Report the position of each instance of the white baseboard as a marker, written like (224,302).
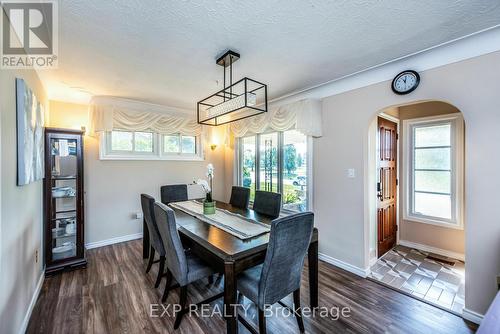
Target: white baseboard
(344,265)
(472,316)
(26,320)
(435,250)
(102,243)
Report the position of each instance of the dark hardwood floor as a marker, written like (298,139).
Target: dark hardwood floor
(113,295)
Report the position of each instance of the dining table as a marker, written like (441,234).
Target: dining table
(231,255)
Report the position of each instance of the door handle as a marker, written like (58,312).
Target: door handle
(379,191)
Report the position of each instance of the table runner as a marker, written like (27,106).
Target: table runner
(235,224)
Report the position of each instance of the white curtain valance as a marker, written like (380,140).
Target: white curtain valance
(109,117)
(304,116)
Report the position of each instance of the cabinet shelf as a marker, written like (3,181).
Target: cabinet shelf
(65,211)
(64,236)
(63,218)
(65,196)
(61,178)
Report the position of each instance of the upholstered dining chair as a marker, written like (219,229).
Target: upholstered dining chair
(240,197)
(267,203)
(147,203)
(174,193)
(182,265)
(280,274)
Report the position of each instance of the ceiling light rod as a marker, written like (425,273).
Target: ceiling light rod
(227,60)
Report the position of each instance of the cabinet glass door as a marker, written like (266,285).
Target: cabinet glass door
(64,201)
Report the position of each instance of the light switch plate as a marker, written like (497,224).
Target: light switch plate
(351,173)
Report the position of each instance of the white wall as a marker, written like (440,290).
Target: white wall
(371,177)
(21,213)
(342,211)
(113,188)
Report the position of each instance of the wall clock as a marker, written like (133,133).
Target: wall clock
(405,82)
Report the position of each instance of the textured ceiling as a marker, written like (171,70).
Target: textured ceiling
(164,51)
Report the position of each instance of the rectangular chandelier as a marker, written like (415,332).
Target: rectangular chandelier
(245,98)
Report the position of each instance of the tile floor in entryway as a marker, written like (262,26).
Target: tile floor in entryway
(417,273)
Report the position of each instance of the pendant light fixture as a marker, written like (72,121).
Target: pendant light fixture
(242,99)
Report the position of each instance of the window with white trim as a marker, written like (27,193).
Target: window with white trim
(279,162)
(138,145)
(126,142)
(179,144)
(434,170)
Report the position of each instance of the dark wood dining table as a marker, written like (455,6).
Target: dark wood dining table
(231,255)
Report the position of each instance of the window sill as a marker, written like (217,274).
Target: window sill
(430,221)
(152,158)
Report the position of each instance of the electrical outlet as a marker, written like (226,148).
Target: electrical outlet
(36,256)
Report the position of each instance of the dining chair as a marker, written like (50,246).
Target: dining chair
(182,265)
(174,193)
(280,274)
(147,203)
(182,192)
(267,203)
(240,197)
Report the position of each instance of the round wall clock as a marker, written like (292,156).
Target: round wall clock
(405,82)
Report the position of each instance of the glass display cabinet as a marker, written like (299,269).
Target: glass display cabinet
(63,200)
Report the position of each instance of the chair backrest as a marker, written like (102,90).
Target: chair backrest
(147,203)
(175,256)
(267,203)
(240,197)
(288,243)
(174,193)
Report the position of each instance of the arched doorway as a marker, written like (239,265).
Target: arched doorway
(416,202)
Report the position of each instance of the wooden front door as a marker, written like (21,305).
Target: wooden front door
(386,185)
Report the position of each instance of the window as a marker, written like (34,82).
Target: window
(137,142)
(434,170)
(129,145)
(143,142)
(188,144)
(279,162)
(171,144)
(179,145)
(295,171)
(122,141)
(247,163)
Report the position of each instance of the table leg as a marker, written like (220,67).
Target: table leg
(230,298)
(312,255)
(145,240)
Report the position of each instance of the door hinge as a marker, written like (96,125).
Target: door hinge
(397,136)
(397,182)
(397,228)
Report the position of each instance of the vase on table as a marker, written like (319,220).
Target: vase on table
(208,207)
